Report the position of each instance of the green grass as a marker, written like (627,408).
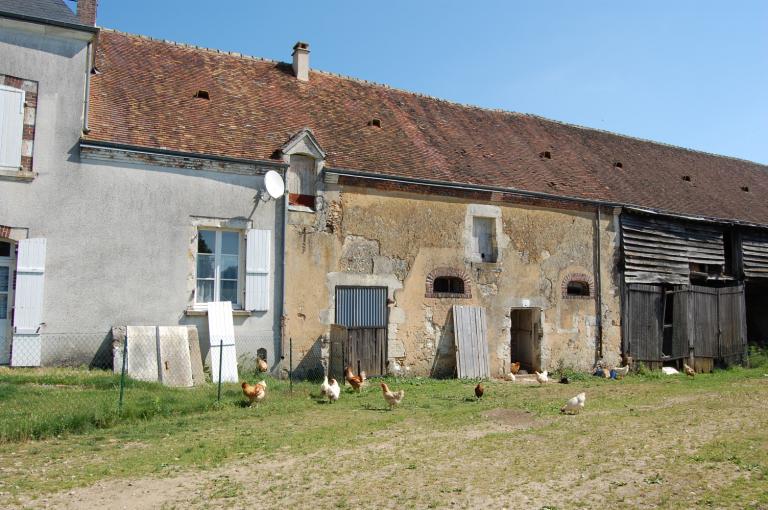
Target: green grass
(644,439)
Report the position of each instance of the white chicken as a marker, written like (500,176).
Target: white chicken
(669,371)
(510,377)
(542,377)
(333,392)
(325,386)
(575,404)
(621,371)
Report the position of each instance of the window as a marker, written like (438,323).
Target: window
(448,285)
(301,181)
(484,238)
(11,127)
(218,266)
(577,288)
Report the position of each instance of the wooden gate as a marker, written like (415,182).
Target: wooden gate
(350,346)
(705,322)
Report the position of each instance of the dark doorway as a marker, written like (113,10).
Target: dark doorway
(525,338)
(756,297)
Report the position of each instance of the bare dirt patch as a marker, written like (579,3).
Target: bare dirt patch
(513,418)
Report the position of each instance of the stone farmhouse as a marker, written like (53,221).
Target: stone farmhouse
(416,234)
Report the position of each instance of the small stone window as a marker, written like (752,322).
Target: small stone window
(446,282)
(578,285)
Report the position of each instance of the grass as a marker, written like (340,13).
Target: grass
(644,441)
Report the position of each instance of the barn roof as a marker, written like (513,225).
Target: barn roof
(144,95)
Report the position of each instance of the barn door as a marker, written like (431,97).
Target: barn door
(363,311)
(732,319)
(644,321)
(471,342)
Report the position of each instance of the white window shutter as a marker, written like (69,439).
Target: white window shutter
(257,257)
(28,304)
(11,126)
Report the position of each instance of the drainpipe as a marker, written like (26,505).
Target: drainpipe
(599,291)
(86,98)
(284,247)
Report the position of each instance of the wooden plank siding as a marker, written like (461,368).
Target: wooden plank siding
(657,251)
(471,342)
(754,252)
(643,319)
(353,345)
(733,319)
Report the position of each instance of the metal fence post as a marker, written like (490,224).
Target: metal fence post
(221,356)
(122,376)
(290,365)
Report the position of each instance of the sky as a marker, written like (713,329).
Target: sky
(692,73)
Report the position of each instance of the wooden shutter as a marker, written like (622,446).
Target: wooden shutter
(11,126)
(257,257)
(28,304)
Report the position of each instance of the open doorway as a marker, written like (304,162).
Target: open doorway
(756,299)
(525,338)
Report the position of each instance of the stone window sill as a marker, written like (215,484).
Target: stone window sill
(300,208)
(12,174)
(191,312)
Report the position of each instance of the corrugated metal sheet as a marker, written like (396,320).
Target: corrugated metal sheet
(363,307)
(754,249)
(657,251)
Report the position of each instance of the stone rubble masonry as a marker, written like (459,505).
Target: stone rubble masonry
(30,114)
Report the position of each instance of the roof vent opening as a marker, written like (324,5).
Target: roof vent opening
(375,122)
(686,178)
(202,94)
(545,155)
(745,188)
(618,164)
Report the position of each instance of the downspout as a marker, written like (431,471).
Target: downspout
(86,99)
(283,305)
(599,291)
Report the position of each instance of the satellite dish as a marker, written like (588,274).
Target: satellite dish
(274,183)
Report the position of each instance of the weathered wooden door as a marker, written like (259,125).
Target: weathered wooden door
(644,321)
(471,342)
(733,319)
(363,312)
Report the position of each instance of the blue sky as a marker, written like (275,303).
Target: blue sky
(683,72)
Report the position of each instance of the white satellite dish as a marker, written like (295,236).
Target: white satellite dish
(274,183)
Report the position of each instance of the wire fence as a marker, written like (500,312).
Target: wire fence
(149,365)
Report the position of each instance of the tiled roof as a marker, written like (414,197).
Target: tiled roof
(144,94)
(55,11)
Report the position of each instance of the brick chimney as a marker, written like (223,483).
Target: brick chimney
(301,61)
(86,11)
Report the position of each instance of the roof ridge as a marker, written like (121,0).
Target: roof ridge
(435,98)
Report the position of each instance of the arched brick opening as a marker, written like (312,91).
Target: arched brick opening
(451,283)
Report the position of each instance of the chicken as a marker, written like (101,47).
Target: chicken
(255,392)
(606,373)
(357,382)
(669,371)
(621,372)
(334,390)
(542,377)
(689,371)
(575,404)
(510,377)
(262,365)
(479,390)
(392,398)
(515,367)
(325,387)
(626,361)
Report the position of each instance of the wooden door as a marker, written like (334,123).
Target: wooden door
(643,321)
(471,342)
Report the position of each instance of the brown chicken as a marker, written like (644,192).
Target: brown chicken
(263,367)
(689,371)
(479,390)
(392,398)
(514,368)
(356,381)
(255,392)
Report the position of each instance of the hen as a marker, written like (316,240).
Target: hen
(334,390)
(575,404)
(255,392)
(479,390)
(542,377)
(510,377)
(356,381)
(514,368)
(621,372)
(689,371)
(392,398)
(325,386)
(262,365)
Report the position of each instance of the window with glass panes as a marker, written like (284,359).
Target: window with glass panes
(218,266)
